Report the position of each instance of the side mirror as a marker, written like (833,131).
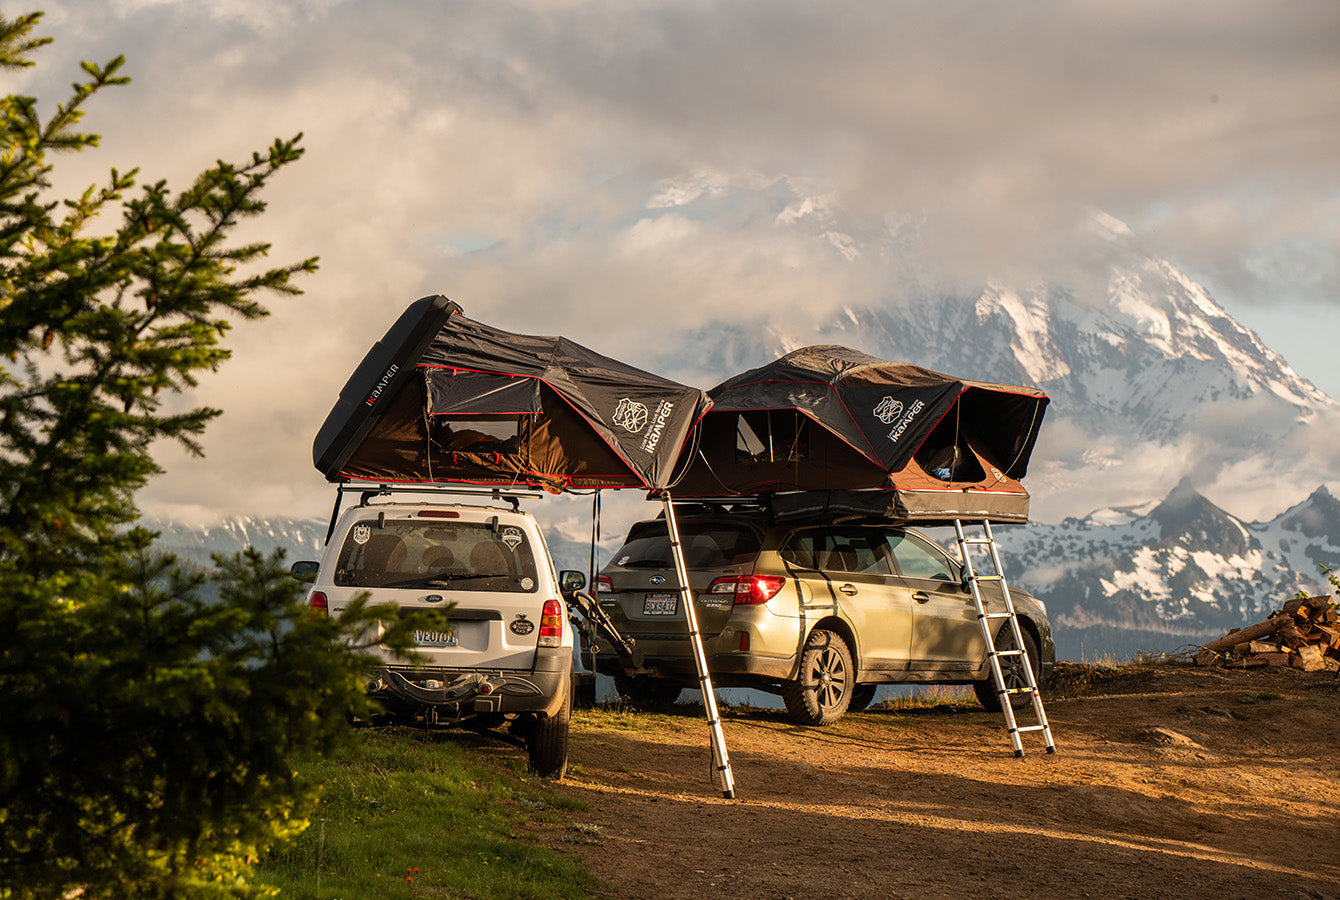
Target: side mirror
(570,581)
(304,570)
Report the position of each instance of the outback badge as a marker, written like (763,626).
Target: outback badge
(521,625)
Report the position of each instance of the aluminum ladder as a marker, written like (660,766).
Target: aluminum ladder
(1019,649)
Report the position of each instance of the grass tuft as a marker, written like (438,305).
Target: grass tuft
(405,814)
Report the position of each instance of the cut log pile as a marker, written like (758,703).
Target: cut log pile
(1305,634)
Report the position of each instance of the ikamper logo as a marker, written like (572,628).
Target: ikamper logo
(888,410)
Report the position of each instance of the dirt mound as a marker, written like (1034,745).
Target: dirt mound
(1168,781)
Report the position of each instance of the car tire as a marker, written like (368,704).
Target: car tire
(547,741)
(861,697)
(1012,668)
(827,680)
(641,690)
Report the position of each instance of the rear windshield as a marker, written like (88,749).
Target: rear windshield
(707,545)
(417,553)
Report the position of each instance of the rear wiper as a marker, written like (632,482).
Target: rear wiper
(442,579)
(448,577)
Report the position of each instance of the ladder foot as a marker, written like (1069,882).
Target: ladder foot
(1051,749)
(1018,754)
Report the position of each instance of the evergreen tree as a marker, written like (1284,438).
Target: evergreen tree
(145,734)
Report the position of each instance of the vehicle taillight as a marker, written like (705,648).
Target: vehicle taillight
(319,603)
(604,585)
(551,624)
(749,590)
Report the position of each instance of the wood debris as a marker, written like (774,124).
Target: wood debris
(1304,634)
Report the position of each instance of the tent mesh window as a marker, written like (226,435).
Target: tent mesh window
(785,437)
(476,434)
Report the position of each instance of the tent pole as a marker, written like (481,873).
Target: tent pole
(720,760)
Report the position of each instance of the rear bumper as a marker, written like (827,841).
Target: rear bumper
(727,669)
(443,696)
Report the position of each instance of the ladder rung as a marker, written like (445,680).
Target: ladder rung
(1031,690)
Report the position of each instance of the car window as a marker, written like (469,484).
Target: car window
(707,545)
(467,556)
(916,559)
(858,550)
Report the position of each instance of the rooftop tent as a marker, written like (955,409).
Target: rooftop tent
(442,398)
(830,428)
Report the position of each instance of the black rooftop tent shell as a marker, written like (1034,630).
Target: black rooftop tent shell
(442,398)
(831,429)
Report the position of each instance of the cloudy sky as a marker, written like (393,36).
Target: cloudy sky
(499,152)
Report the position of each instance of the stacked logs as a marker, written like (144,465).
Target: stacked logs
(1305,634)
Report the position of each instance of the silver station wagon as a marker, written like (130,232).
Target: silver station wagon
(820,612)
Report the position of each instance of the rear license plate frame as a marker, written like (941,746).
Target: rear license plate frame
(660,604)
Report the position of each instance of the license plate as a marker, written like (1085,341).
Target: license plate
(436,638)
(660,605)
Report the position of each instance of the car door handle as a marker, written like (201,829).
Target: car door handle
(921,597)
(848,589)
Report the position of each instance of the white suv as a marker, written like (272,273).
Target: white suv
(506,654)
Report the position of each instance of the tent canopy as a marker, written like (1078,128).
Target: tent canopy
(442,398)
(853,432)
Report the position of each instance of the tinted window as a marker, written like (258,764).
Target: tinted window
(917,560)
(468,556)
(707,545)
(860,550)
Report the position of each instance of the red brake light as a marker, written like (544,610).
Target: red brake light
(551,624)
(319,603)
(604,584)
(749,590)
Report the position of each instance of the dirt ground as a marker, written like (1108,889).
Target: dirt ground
(1168,781)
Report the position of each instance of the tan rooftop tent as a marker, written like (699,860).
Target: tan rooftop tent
(830,428)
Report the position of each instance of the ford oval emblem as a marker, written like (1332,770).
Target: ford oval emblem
(433,598)
(657,579)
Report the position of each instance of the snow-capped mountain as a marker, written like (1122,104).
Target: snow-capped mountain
(299,538)
(1151,380)
(1170,573)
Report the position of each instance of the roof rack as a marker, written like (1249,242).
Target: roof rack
(368,490)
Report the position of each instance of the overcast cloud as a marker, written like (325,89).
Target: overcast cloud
(500,153)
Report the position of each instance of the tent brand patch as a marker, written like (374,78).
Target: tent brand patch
(663,411)
(630,416)
(888,410)
(521,625)
(381,385)
(906,420)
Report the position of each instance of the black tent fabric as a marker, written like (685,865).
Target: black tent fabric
(828,428)
(442,398)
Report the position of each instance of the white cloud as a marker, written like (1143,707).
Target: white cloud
(573,139)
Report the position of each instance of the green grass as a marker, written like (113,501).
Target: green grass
(404,814)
